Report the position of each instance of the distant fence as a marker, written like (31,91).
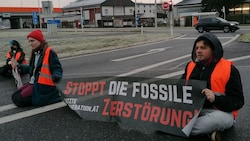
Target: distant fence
(241,18)
(4,23)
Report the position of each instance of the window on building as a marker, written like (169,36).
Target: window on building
(106,11)
(246,8)
(97,10)
(130,10)
(241,9)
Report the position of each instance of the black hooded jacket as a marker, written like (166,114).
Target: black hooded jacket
(233,98)
(14,51)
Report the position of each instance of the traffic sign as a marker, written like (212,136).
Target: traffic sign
(35,17)
(58,22)
(165,5)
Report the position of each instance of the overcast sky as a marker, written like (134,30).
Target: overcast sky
(56,3)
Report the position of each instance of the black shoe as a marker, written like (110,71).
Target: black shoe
(8,74)
(1,70)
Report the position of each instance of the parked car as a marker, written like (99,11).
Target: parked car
(216,23)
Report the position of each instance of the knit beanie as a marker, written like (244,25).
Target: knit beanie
(36,34)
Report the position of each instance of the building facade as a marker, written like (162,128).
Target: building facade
(111,13)
(27,17)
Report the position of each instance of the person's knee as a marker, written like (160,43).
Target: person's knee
(223,119)
(20,101)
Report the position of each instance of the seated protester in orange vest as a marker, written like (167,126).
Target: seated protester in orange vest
(18,54)
(224,94)
(45,71)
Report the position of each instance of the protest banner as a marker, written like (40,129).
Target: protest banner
(167,105)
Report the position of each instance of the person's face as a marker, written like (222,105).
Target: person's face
(34,43)
(203,52)
(13,47)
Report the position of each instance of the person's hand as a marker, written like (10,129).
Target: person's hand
(209,94)
(56,79)
(12,64)
(9,63)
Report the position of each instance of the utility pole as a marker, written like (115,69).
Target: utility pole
(136,18)
(170,9)
(39,14)
(59,3)
(224,12)
(155,15)
(81,19)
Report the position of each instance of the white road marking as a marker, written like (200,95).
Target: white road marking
(171,74)
(32,112)
(153,66)
(47,108)
(193,38)
(7,107)
(152,51)
(240,58)
(182,71)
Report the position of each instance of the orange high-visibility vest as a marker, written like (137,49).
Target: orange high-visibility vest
(219,77)
(18,55)
(45,76)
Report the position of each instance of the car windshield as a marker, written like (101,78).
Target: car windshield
(223,20)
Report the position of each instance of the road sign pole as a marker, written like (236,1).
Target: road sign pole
(170,9)
(136,21)
(171,23)
(81,19)
(40,22)
(155,16)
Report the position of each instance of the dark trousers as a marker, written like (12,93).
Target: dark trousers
(6,70)
(23,96)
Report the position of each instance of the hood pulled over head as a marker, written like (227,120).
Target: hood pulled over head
(215,45)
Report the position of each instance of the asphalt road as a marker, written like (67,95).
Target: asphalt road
(58,123)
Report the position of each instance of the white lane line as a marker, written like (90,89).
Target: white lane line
(182,71)
(234,38)
(32,112)
(193,38)
(62,104)
(7,107)
(181,37)
(240,58)
(168,61)
(171,74)
(153,66)
(152,51)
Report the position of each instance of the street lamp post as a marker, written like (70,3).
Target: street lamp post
(59,3)
(39,14)
(135,14)
(81,19)
(155,16)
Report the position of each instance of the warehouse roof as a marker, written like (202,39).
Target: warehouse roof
(83,3)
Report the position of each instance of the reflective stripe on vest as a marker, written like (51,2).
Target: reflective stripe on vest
(45,76)
(219,77)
